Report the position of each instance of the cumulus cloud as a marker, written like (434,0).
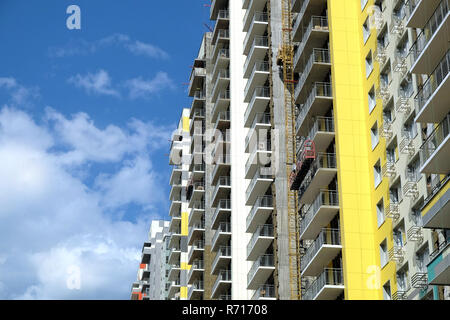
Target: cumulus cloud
(141,88)
(98,83)
(56,226)
(83,47)
(19,94)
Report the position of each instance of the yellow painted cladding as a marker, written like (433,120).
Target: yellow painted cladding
(183,293)
(355,179)
(186,124)
(184,223)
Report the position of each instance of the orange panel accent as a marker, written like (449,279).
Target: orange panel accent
(142,266)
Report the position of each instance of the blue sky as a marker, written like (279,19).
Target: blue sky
(85,118)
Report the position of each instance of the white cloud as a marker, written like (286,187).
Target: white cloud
(52,220)
(140,88)
(19,94)
(83,47)
(98,83)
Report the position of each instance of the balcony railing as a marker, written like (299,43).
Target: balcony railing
(324,198)
(265,230)
(261,202)
(392,210)
(320,89)
(317,23)
(265,260)
(317,56)
(326,237)
(257,17)
(198,285)
(259,41)
(429,30)
(224,251)
(259,66)
(224,227)
(260,119)
(260,92)
(434,140)
(329,277)
(265,291)
(223,204)
(397,254)
(224,275)
(433,82)
(252,183)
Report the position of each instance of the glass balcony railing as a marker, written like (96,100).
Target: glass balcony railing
(265,260)
(324,198)
(224,227)
(329,277)
(261,202)
(317,56)
(434,140)
(317,23)
(258,41)
(265,230)
(433,82)
(326,237)
(429,30)
(319,89)
(265,291)
(224,275)
(223,204)
(255,179)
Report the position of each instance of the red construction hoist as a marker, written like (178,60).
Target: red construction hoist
(307,156)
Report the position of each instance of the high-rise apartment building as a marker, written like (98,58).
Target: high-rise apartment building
(363,152)
(152,277)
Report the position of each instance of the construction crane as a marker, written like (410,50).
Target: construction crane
(286,60)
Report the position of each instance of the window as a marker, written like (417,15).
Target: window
(399,236)
(416,216)
(387,291)
(372,99)
(395,194)
(422,259)
(380,212)
(410,129)
(377,173)
(383,254)
(374,135)
(383,39)
(391,155)
(366,30)
(369,64)
(402,280)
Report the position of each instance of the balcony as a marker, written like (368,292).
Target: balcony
(259,128)
(175,208)
(198,75)
(175,192)
(196,251)
(258,78)
(321,171)
(400,64)
(222,123)
(176,151)
(315,69)
(383,92)
(222,235)
(199,100)
(315,35)
(397,26)
(428,48)
(327,286)
(197,119)
(222,104)
(222,259)
(222,283)
(222,62)
(258,27)
(175,176)
(265,292)
(410,188)
(196,271)
(380,54)
(198,171)
(319,214)
(260,271)
(258,52)
(174,289)
(415,234)
(253,8)
(385,130)
(174,272)
(197,212)
(299,6)
(258,104)
(196,232)
(392,210)
(407,144)
(260,241)
(319,254)
(435,150)
(216,7)
(257,187)
(175,223)
(259,213)
(322,132)
(174,256)
(222,165)
(175,237)
(436,207)
(389,170)
(198,193)
(403,104)
(221,213)
(419,11)
(221,191)
(259,157)
(318,103)
(221,142)
(432,100)
(196,291)
(221,84)
(439,266)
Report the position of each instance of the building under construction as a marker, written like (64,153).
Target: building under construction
(311,164)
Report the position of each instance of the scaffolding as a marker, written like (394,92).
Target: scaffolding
(286,59)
